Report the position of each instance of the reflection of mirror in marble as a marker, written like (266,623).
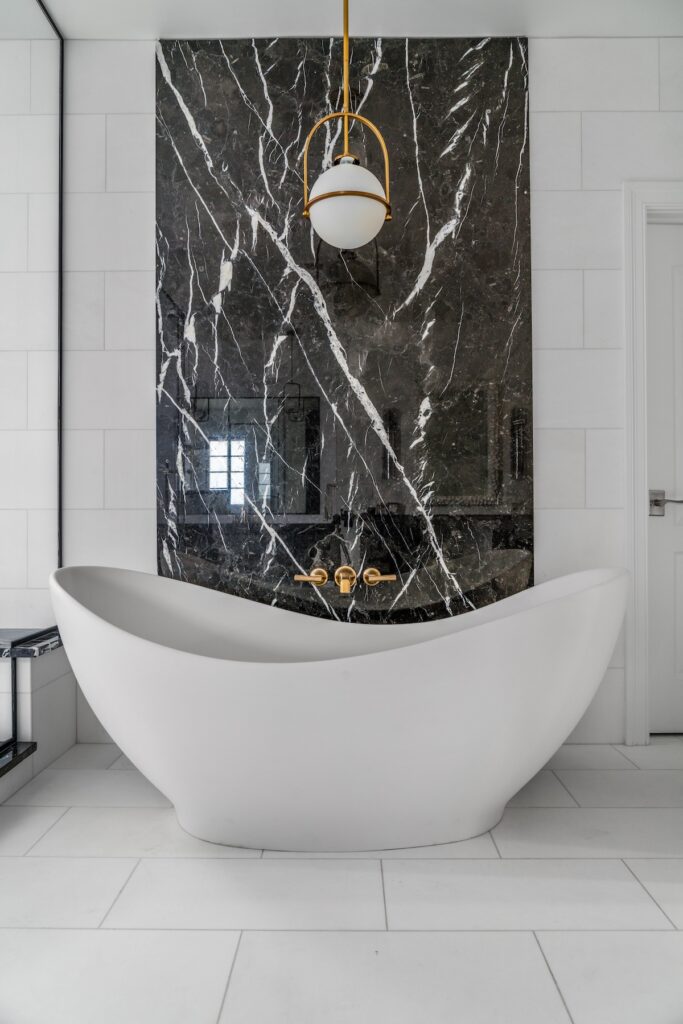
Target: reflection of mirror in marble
(29,309)
(370,407)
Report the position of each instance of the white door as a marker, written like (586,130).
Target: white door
(664,303)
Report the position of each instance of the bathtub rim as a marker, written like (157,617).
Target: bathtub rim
(488,615)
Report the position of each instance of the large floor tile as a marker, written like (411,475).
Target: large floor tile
(531,894)
(88,755)
(89,788)
(52,893)
(83,977)
(479,846)
(126,832)
(588,755)
(662,752)
(627,978)
(361,978)
(663,879)
(21,827)
(661,788)
(590,832)
(544,790)
(251,894)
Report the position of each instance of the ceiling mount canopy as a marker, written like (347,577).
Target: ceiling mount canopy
(347,204)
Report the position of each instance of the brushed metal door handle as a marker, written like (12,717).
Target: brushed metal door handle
(658,501)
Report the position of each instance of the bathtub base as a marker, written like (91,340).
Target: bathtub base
(389,838)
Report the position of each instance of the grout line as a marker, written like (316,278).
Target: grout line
(48,829)
(629,761)
(615,747)
(384,894)
(357,930)
(647,891)
(576,802)
(130,875)
(500,855)
(227,984)
(550,970)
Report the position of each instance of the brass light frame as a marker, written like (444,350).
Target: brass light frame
(346,115)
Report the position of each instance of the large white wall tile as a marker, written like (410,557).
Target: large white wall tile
(44,76)
(110,390)
(593,74)
(559,469)
(54,718)
(26,140)
(29,468)
(85,151)
(110,77)
(122,538)
(130,152)
(42,390)
(42,546)
(603,309)
(22,608)
(557,308)
(84,310)
(578,388)
(15,76)
(43,232)
(112,231)
(13,233)
(29,311)
(619,147)
(83,469)
(605,468)
(13,390)
(130,469)
(576,229)
(569,540)
(671,74)
(13,531)
(129,320)
(555,150)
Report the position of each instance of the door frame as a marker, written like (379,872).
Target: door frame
(645,202)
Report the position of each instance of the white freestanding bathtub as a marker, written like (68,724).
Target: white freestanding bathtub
(267,728)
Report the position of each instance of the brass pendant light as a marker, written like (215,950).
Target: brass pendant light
(347,204)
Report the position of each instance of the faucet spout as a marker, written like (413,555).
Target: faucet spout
(345,577)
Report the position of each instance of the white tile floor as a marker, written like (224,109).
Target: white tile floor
(569,911)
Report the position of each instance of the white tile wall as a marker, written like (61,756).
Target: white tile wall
(15,76)
(609,155)
(576,229)
(671,74)
(28,328)
(557,308)
(555,157)
(593,74)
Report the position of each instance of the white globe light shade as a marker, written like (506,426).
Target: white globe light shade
(347,222)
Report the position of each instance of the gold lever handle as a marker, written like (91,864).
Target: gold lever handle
(345,577)
(318,577)
(371,577)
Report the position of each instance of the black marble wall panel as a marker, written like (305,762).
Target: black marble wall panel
(325,407)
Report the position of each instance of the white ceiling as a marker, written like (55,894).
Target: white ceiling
(153,19)
(23,19)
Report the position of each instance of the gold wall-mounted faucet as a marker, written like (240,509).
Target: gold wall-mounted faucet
(371,577)
(317,576)
(345,577)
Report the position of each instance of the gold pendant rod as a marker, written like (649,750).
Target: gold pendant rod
(346,78)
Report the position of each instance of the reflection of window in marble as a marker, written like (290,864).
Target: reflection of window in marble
(226,464)
(264,481)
